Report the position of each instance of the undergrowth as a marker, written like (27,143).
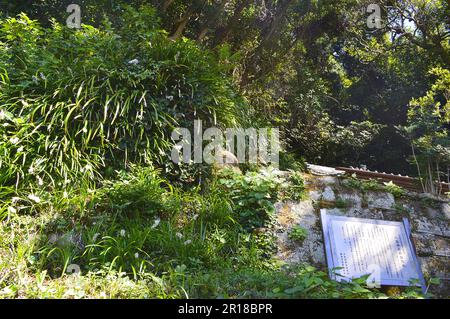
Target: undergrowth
(90,207)
(141,237)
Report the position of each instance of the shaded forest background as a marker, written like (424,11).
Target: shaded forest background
(342,93)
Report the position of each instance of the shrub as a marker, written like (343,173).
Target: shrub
(253,195)
(298,233)
(138,222)
(363,185)
(342,203)
(75,103)
(289,161)
(300,281)
(395,190)
(139,192)
(294,189)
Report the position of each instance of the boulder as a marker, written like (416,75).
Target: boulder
(311,249)
(328,194)
(380,200)
(446,210)
(354,199)
(315,195)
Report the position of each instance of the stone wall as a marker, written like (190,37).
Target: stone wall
(429,218)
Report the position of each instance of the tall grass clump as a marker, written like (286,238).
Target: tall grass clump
(78,103)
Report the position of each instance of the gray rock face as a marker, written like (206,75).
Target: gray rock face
(380,200)
(437,267)
(326,180)
(353,199)
(430,225)
(302,214)
(424,244)
(314,195)
(446,210)
(328,194)
(434,227)
(324,170)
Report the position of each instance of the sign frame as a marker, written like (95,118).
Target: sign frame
(327,236)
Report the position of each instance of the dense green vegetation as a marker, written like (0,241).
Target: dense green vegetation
(139,237)
(86,116)
(314,68)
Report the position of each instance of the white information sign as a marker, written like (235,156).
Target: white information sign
(380,248)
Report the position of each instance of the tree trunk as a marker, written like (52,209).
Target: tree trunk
(430,178)
(439,189)
(211,20)
(166,4)
(224,33)
(418,167)
(267,35)
(276,22)
(181,24)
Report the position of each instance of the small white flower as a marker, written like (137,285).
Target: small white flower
(34,198)
(195,217)
(122,233)
(15,199)
(156,223)
(136,255)
(65,195)
(14,140)
(2,115)
(20,149)
(169,97)
(40,181)
(7,291)
(12,210)
(42,76)
(34,78)
(133,62)
(31,170)
(187,242)
(179,235)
